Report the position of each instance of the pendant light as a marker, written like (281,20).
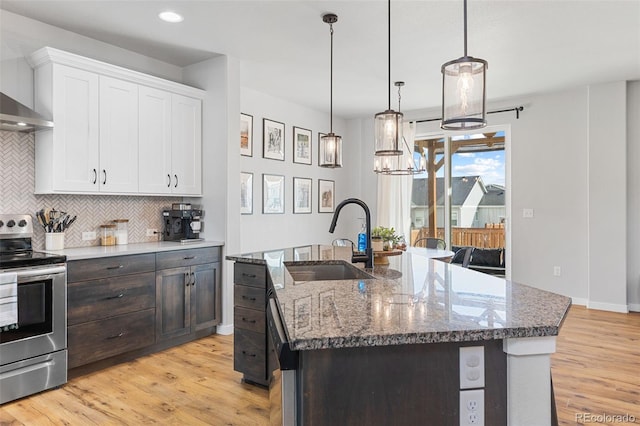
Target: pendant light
(330,144)
(388,124)
(399,164)
(464,90)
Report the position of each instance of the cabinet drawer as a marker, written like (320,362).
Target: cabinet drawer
(108,297)
(106,267)
(249,355)
(250,274)
(180,258)
(97,340)
(249,319)
(249,297)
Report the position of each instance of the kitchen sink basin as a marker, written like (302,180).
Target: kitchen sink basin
(325,271)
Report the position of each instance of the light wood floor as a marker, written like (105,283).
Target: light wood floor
(596,370)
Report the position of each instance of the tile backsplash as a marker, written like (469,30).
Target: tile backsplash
(16,196)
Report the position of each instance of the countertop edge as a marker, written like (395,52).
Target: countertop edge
(96,252)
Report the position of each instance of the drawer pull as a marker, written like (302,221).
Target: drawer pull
(116,336)
(249,321)
(119,296)
(248,354)
(189,257)
(244,274)
(253,299)
(115,267)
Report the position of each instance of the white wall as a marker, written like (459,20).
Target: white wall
(578,192)
(633,195)
(20,36)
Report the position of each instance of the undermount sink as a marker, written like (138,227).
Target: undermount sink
(325,271)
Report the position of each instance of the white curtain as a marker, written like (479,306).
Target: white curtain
(394,192)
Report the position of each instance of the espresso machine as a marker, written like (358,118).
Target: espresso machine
(182,223)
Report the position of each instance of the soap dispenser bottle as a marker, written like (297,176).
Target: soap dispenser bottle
(362,238)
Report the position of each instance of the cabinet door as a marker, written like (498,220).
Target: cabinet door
(75,136)
(205,296)
(154,141)
(186,145)
(173,304)
(118,136)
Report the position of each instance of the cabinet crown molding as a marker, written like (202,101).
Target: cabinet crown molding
(48,55)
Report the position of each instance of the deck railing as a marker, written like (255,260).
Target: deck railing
(475,237)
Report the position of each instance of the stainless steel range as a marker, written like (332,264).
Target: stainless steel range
(33,313)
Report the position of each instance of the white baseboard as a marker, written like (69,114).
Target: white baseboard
(224,329)
(613,307)
(579,301)
(634,307)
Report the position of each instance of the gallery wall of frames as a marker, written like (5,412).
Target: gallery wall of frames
(271,143)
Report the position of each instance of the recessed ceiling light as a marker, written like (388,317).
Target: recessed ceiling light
(169,16)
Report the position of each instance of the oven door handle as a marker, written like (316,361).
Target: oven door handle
(37,272)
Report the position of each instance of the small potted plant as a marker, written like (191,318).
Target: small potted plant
(383,238)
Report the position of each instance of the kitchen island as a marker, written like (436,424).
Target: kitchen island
(386,349)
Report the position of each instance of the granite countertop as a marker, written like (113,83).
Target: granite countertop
(94,252)
(415,299)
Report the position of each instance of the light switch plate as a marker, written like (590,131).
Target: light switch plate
(527,213)
(88,236)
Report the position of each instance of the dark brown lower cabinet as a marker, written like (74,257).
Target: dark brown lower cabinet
(118,305)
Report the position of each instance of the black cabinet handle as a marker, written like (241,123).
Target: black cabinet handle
(119,296)
(95,176)
(193,279)
(116,336)
(186,279)
(104,182)
(253,299)
(189,257)
(169,183)
(244,274)
(248,354)
(249,321)
(115,267)
(176,185)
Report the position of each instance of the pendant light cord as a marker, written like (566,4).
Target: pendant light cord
(389,33)
(331,83)
(465,28)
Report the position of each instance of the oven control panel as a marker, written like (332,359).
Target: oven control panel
(16,225)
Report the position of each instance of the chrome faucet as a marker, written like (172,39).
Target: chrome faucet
(359,257)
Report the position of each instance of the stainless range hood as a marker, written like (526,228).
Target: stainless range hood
(18,118)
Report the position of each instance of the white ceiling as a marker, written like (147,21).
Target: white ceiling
(283,46)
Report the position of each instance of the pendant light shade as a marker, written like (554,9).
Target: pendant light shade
(330,144)
(464,90)
(405,162)
(388,124)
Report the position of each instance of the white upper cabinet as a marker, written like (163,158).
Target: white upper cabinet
(154,149)
(116,131)
(68,156)
(118,136)
(186,146)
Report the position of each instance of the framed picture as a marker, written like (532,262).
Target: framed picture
(246,135)
(301,195)
(326,196)
(272,139)
(246,193)
(272,194)
(301,145)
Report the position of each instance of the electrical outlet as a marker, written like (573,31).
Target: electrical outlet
(472,407)
(471,367)
(527,213)
(88,236)
(152,232)
(556,271)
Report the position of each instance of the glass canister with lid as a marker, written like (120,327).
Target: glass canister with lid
(121,232)
(107,235)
